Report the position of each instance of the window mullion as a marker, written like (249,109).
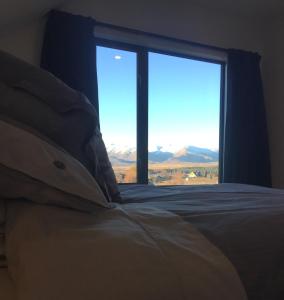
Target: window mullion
(222,122)
(142,117)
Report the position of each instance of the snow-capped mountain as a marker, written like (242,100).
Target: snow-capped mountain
(187,154)
(121,155)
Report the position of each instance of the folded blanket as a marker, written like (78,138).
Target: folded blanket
(116,254)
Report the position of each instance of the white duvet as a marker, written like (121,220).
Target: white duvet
(115,254)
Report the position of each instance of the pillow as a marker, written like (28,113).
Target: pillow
(33,168)
(36,98)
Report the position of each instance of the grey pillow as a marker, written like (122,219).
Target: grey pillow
(34,169)
(36,98)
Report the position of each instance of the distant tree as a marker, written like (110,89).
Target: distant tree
(130,175)
(177,178)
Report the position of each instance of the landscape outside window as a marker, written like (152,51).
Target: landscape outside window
(117,86)
(184,109)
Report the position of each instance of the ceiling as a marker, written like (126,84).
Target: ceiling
(17,11)
(253,8)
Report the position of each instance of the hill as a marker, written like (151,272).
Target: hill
(187,154)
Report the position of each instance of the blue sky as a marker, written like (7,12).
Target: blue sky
(184,100)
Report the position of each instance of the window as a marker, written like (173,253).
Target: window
(184,109)
(117,81)
(159,114)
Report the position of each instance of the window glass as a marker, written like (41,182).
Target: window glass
(184,110)
(117,85)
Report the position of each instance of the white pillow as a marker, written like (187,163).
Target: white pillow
(33,168)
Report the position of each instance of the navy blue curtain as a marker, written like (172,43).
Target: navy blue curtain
(69,52)
(246,156)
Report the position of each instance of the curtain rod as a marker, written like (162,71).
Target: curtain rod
(160,36)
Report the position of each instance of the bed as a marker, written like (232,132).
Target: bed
(125,252)
(245,222)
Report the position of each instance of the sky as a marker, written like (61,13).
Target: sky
(184,100)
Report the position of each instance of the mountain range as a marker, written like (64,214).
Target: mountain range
(187,154)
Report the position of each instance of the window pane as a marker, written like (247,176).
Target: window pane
(184,108)
(117,102)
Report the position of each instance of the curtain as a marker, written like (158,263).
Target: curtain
(69,52)
(246,157)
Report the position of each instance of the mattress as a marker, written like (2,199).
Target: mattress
(7,290)
(245,222)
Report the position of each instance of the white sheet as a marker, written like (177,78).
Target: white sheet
(116,254)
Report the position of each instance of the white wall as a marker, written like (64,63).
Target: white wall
(186,21)
(24,41)
(274,93)
(180,19)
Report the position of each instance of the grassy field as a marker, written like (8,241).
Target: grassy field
(171,173)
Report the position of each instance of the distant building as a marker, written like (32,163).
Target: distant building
(192,175)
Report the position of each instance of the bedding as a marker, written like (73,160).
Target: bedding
(245,222)
(121,253)
(34,169)
(37,99)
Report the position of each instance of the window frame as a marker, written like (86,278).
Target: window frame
(142,105)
